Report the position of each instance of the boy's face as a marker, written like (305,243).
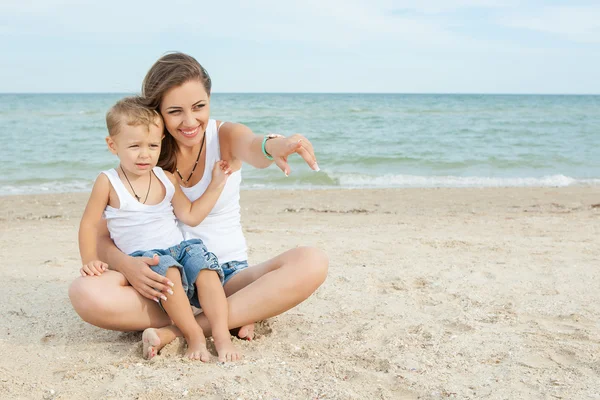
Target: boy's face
(138,147)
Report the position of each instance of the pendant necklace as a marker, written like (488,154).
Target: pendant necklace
(185,181)
(133,190)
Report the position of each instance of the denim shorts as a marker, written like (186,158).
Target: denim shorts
(191,257)
(231,268)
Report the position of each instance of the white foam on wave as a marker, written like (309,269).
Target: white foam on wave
(358,181)
(46,187)
(344,181)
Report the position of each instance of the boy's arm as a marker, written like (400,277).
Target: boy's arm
(92,216)
(193,213)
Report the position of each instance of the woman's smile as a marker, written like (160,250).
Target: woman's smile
(189,132)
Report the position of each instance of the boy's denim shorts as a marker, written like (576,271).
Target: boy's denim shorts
(231,268)
(191,257)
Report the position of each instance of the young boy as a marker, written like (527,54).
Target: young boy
(140,202)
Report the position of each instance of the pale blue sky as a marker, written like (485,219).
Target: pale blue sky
(429,46)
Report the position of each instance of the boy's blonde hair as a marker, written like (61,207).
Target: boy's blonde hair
(130,111)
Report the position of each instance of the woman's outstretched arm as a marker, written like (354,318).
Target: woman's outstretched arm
(238,142)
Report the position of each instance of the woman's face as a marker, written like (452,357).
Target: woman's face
(185,110)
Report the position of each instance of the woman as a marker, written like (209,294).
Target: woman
(125,297)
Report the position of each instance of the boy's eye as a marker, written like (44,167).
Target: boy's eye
(133,146)
(154,146)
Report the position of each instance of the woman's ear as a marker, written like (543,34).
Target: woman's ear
(112,146)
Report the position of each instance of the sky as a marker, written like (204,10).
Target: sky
(373,46)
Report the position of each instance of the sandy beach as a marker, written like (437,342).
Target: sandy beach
(432,293)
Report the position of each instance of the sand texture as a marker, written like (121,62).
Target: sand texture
(431,293)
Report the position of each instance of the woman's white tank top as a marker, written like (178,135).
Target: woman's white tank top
(221,230)
(136,226)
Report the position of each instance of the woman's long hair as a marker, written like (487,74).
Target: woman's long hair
(171,70)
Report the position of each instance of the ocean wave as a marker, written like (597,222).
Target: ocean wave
(46,187)
(360,110)
(349,181)
(359,181)
(325,180)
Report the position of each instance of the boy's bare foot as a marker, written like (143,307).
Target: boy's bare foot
(226,350)
(196,349)
(151,343)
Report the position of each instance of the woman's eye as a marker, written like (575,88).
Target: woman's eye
(173,112)
(199,106)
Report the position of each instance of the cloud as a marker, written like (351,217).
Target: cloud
(341,24)
(335,24)
(33,6)
(443,6)
(576,23)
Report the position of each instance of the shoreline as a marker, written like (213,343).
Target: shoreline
(580,183)
(71,204)
(431,293)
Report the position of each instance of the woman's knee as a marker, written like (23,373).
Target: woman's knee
(315,264)
(86,299)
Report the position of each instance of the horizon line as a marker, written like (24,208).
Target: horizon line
(327,93)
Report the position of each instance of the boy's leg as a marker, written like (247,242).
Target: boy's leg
(214,305)
(265,290)
(179,310)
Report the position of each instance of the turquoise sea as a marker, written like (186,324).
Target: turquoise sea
(55,142)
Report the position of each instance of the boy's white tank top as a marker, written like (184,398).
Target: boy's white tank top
(135,226)
(221,230)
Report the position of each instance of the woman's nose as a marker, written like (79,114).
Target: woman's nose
(189,120)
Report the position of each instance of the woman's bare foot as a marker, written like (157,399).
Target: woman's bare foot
(226,350)
(196,349)
(152,343)
(246,332)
